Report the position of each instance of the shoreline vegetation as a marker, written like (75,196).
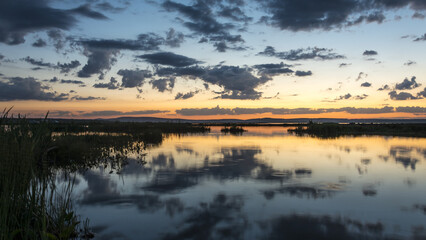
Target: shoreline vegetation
(234,129)
(326,130)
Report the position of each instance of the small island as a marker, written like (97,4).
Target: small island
(233,129)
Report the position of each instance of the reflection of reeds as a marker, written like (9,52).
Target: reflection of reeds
(30,205)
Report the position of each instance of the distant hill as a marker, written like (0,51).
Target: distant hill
(266,120)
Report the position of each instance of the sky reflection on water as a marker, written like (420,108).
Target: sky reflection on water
(265,184)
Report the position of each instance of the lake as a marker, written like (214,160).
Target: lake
(263,184)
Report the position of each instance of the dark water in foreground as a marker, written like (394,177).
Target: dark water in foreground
(264,184)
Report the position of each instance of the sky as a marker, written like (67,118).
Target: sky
(211,59)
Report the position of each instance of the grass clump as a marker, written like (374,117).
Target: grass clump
(30,205)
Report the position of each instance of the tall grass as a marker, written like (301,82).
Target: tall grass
(30,205)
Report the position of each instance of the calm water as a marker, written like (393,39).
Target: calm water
(264,184)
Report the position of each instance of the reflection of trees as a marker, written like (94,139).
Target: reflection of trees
(219,219)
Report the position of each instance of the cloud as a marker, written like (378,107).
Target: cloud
(279,111)
(187,95)
(20,17)
(418,15)
(422,93)
(370,53)
(309,53)
(133,78)
(89,98)
(272,69)
(99,61)
(169,59)
(163,84)
(409,63)
(303,73)
(204,111)
(344,65)
(102,53)
(120,113)
(39,43)
(71,81)
(106,6)
(66,67)
(39,63)
(401,96)
(411,109)
(365,84)
(361,75)
(173,38)
(349,96)
(238,83)
(201,19)
(86,11)
(112,84)
(144,42)
(407,84)
(421,38)
(307,15)
(384,88)
(17,88)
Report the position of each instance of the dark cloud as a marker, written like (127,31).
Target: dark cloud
(187,95)
(401,96)
(133,78)
(201,19)
(411,109)
(234,13)
(307,15)
(361,75)
(86,11)
(370,53)
(409,63)
(112,84)
(418,15)
(407,84)
(169,58)
(204,111)
(303,73)
(39,43)
(17,88)
(422,93)
(144,42)
(421,38)
(89,98)
(344,65)
(173,38)
(20,17)
(106,6)
(384,88)
(71,81)
(99,61)
(365,84)
(349,96)
(67,67)
(163,84)
(238,83)
(279,111)
(102,53)
(118,113)
(272,69)
(191,72)
(39,63)
(58,39)
(302,54)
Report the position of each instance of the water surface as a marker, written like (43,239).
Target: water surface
(264,184)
